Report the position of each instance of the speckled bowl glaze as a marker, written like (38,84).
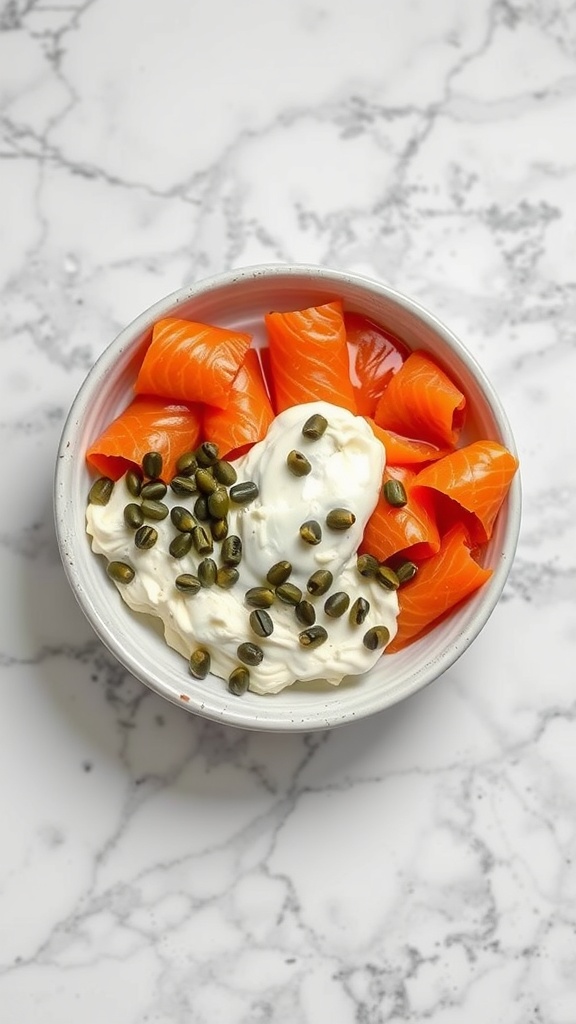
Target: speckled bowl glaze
(240,298)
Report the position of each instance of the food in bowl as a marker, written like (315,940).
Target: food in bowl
(291,514)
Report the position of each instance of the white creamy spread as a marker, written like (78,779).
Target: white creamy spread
(347,465)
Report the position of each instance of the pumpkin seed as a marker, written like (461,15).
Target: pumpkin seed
(297,463)
(376,637)
(319,582)
(207,453)
(367,565)
(152,465)
(201,509)
(227,576)
(120,572)
(219,503)
(305,613)
(133,516)
(199,663)
(340,519)
(145,538)
(387,578)
(205,481)
(133,482)
(238,681)
(406,572)
(224,472)
(183,519)
(259,597)
(359,611)
(180,545)
(313,637)
(202,542)
(337,604)
(207,570)
(261,623)
(154,509)
(187,464)
(153,489)
(187,583)
(219,529)
(101,491)
(288,593)
(244,493)
(311,532)
(314,427)
(231,552)
(395,493)
(250,654)
(279,573)
(183,485)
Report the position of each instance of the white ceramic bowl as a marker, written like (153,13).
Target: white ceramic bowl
(240,298)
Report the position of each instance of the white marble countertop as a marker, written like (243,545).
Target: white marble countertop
(414,867)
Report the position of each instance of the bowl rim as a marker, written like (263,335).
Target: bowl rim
(234,715)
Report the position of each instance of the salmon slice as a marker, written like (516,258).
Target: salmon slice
(309,357)
(422,402)
(477,477)
(192,362)
(411,530)
(439,585)
(375,356)
(404,451)
(148,424)
(248,414)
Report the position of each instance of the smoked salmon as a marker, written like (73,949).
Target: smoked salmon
(375,356)
(477,477)
(404,451)
(148,424)
(440,583)
(420,401)
(411,530)
(192,362)
(309,357)
(248,414)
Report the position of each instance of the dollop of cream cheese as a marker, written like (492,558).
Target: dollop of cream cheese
(347,465)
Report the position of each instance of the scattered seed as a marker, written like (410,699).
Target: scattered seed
(202,542)
(219,503)
(201,509)
(219,529)
(227,576)
(152,465)
(231,552)
(259,597)
(187,464)
(250,654)
(340,519)
(133,482)
(359,611)
(319,582)
(154,489)
(387,578)
(133,516)
(395,493)
(180,545)
(154,509)
(244,493)
(305,613)
(313,637)
(376,637)
(261,623)
(367,565)
(406,572)
(120,572)
(297,463)
(183,485)
(311,532)
(337,604)
(279,573)
(101,491)
(183,519)
(205,481)
(238,681)
(224,472)
(145,538)
(187,583)
(207,570)
(314,427)
(207,453)
(288,593)
(199,663)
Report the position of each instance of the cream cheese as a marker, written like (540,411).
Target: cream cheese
(347,465)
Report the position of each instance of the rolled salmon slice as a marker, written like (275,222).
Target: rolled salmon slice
(192,362)
(421,401)
(410,530)
(147,424)
(248,414)
(309,357)
(405,451)
(439,585)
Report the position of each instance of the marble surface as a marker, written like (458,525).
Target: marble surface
(418,866)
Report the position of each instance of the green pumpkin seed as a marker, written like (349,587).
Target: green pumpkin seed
(207,570)
(231,552)
(244,493)
(395,493)
(227,576)
(152,465)
(261,623)
(187,464)
(305,613)
(340,519)
(145,538)
(133,482)
(406,572)
(337,604)
(313,637)
(224,472)
(154,489)
(180,545)
(205,481)
(259,597)
(314,427)
(279,573)
(101,491)
(219,503)
(182,519)
(359,611)
(186,583)
(319,582)
(183,486)
(133,516)
(201,509)
(288,593)
(238,681)
(311,532)
(367,565)
(202,542)
(387,578)
(199,663)
(250,654)
(156,510)
(120,572)
(219,529)
(207,453)
(297,463)
(376,637)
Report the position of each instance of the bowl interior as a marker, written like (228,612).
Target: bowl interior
(241,299)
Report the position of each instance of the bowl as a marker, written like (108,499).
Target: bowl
(240,298)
